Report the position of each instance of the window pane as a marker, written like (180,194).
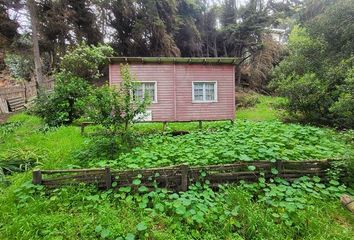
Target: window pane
(209,91)
(198,91)
(138,92)
(150,90)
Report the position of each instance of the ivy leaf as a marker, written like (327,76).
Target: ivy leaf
(141,227)
(105,233)
(130,236)
(251,168)
(98,228)
(274,171)
(136,181)
(143,189)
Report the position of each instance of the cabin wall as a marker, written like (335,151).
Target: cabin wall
(222,109)
(163,74)
(174,90)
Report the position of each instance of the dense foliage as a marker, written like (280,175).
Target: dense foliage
(20,67)
(66,103)
(86,61)
(316,77)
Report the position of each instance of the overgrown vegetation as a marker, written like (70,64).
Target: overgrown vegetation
(317,76)
(247,211)
(305,209)
(20,67)
(67,101)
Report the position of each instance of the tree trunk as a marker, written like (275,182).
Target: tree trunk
(37,58)
(238,75)
(215,47)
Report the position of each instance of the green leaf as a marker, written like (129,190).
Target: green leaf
(141,226)
(251,168)
(334,183)
(125,189)
(105,233)
(98,228)
(143,189)
(130,236)
(274,171)
(136,181)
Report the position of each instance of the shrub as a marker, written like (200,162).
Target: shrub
(307,97)
(86,61)
(116,108)
(344,107)
(20,67)
(66,103)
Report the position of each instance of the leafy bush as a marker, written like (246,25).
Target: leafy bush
(66,103)
(116,108)
(307,97)
(344,107)
(20,67)
(86,61)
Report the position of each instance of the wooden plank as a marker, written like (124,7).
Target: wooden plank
(3,106)
(184,177)
(108,178)
(73,170)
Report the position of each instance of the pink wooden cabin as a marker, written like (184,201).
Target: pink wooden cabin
(182,89)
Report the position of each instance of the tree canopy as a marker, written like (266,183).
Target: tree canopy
(187,28)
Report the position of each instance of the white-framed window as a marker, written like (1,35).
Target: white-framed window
(204,91)
(146,89)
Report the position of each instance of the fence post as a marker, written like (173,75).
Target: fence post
(37,177)
(279,166)
(184,177)
(108,177)
(200,125)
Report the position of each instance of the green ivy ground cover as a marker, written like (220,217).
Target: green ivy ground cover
(245,141)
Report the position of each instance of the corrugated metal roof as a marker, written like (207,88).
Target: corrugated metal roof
(192,60)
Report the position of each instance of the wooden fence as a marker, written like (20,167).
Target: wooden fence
(179,177)
(24,91)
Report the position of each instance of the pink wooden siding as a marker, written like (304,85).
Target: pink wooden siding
(174,90)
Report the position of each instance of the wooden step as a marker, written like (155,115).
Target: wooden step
(16,103)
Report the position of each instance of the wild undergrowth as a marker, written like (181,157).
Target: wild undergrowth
(265,210)
(276,209)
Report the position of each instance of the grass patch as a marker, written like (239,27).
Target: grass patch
(265,110)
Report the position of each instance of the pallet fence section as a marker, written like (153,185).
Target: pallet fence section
(178,178)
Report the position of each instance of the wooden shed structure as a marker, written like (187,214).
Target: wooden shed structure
(182,89)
